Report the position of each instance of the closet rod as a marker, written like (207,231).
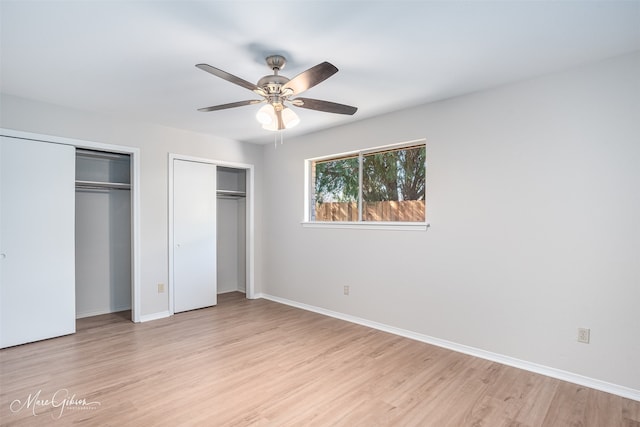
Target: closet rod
(231,193)
(230,197)
(102,185)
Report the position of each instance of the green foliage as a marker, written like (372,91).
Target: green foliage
(412,184)
(388,175)
(380,177)
(337,180)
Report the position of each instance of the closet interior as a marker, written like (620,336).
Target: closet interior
(102,233)
(231,229)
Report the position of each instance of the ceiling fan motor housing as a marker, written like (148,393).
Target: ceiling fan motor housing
(272,84)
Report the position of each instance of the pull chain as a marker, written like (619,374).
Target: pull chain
(275,138)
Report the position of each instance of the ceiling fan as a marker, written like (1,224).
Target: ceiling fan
(276,90)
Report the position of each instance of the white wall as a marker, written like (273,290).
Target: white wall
(533,200)
(155,142)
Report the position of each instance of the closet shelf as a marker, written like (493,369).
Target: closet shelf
(102,184)
(101,155)
(231,193)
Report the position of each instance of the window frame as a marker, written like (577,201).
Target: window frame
(309,187)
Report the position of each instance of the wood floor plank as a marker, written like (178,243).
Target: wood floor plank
(259,363)
(516,397)
(630,410)
(602,409)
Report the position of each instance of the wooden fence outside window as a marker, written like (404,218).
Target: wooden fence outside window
(393,211)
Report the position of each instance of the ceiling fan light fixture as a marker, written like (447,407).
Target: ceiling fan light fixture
(290,118)
(266,115)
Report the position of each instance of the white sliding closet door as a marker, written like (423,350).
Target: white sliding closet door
(37,275)
(194,235)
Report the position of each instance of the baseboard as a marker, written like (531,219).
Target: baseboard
(154,316)
(232,290)
(571,377)
(100,312)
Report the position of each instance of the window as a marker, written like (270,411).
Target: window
(383,185)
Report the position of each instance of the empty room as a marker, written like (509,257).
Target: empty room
(320,213)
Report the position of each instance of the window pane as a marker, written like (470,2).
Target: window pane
(393,185)
(336,190)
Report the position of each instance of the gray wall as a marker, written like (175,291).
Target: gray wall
(231,232)
(102,237)
(533,202)
(231,245)
(103,251)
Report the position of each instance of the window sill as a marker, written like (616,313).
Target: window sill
(405,226)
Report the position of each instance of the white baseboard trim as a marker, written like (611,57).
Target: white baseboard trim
(232,290)
(571,377)
(100,312)
(154,316)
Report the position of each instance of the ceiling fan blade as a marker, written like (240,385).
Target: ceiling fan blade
(231,105)
(326,106)
(310,78)
(231,78)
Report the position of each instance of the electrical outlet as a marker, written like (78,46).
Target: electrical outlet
(583,335)
(346,289)
(160,288)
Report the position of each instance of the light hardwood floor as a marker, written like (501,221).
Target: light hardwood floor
(260,363)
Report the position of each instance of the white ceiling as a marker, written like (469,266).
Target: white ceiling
(136,58)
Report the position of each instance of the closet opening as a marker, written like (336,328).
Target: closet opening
(103,255)
(231,232)
(211,232)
